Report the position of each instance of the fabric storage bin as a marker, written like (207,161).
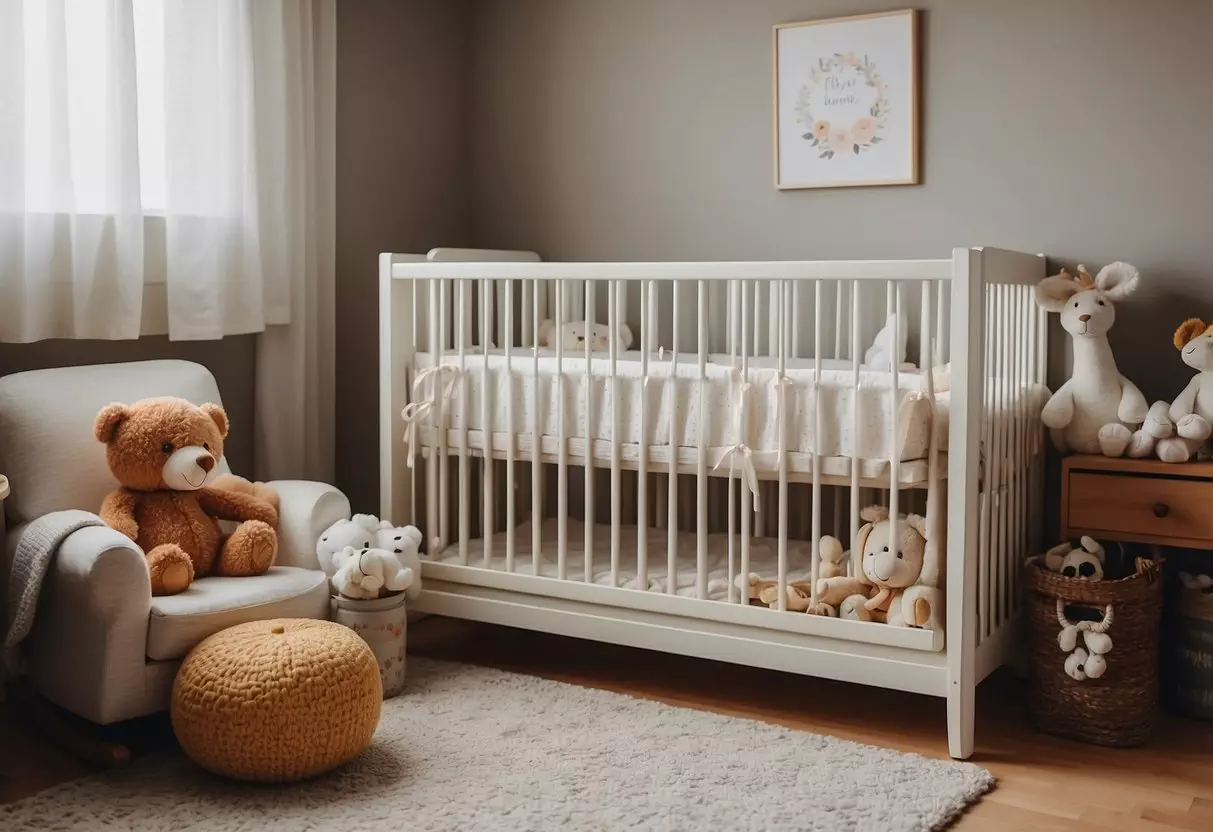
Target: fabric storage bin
(1119,706)
(383,624)
(1188,654)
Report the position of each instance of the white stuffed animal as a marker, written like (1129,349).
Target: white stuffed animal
(879,356)
(366,531)
(1190,416)
(369,573)
(900,583)
(405,543)
(1097,410)
(1085,561)
(573,334)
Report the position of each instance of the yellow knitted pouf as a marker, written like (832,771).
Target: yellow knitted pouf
(277,700)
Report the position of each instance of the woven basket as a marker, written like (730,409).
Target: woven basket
(1119,707)
(1188,655)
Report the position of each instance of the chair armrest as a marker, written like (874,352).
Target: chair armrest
(305,510)
(88,646)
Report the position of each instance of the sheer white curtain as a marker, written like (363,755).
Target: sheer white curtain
(166,166)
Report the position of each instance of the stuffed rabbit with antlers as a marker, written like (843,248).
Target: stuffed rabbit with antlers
(1098,410)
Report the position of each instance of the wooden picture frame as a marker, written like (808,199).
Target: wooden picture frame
(845,101)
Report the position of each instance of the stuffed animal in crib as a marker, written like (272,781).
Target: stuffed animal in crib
(366,531)
(879,356)
(899,584)
(370,573)
(1085,561)
(765,591)
(1098,410)
(1190,416)
(574,335)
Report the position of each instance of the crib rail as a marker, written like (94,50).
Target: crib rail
(541,505)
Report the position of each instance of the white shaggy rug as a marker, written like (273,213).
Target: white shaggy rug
(473,748)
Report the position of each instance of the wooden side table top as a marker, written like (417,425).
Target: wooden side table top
(1138,500)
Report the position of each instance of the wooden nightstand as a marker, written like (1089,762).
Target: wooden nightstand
(1138,500)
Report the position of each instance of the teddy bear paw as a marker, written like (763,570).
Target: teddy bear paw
(170,569)
(1173,450)
(249,551)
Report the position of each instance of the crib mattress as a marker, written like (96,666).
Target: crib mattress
(669,405)
(764,557)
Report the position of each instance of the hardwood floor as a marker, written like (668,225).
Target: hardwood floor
(1044,783)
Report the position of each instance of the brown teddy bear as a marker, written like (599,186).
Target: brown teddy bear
(164,452)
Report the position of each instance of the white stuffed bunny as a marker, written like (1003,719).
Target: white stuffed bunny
(1190,416)
(573,335)
(366,531)
(1097,410)
(369,573)
(879,356)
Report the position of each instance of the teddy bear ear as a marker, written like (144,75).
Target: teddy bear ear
(218,416)
(545,332)
(918,523)
(874,514)
(625,336)
(1189,329)
(108,420)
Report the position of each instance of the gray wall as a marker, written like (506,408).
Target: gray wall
(401,186)
(641,129)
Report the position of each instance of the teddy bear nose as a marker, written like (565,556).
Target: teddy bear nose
(206,462)
(1084,318)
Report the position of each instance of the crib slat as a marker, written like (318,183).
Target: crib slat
(443,460)
(743,421)
(794,349)
(701,535)
(672,477)
(992,468)
(486,517)
(1001,408)
(647,293)
(941,329)
(856,303)
(536,433)
(432,501)
(465,473)
(894,405)
(562,461)
(815,533)
(730,526)
(511,441)
(614,319)
(782,445)
(589,432)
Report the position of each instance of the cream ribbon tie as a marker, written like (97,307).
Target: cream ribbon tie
(739,456)
(421,409)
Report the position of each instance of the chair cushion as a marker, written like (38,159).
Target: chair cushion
(178,622)
(47,447)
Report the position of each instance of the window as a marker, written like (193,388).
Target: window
(67,95)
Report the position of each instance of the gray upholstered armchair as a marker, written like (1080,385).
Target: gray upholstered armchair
(101,646)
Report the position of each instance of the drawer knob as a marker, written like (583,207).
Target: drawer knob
(1161,510)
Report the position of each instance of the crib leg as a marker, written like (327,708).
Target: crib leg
(960,719)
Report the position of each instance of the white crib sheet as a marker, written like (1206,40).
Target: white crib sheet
(764,557)
(671,397)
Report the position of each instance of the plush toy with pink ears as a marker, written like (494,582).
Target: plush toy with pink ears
(1098,410)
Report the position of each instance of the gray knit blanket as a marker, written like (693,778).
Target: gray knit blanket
(35,552)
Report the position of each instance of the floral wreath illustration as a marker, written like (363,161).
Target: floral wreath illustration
(864,132)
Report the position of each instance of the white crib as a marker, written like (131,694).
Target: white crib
(617,495)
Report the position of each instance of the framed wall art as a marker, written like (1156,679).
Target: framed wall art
(846,101)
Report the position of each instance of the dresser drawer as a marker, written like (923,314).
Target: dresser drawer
(1154,509)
